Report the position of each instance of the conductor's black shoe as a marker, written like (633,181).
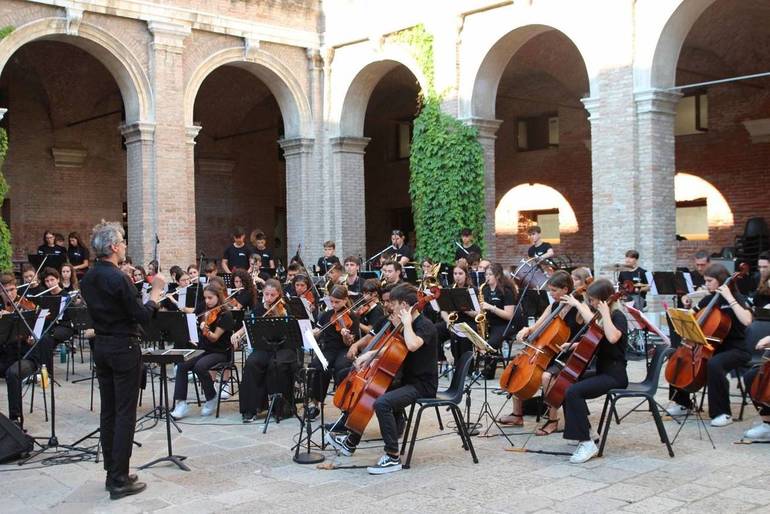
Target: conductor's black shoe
(127,489)
(131,479)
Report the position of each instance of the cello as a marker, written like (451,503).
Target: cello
(522,377)
(375,377)
(578,361)
(686,369)
(760,387)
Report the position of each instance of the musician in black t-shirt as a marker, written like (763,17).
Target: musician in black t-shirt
(49,246)
(400,251)
(353,282)
(759,432)
(539,249)
(329,259)
(459,343)
(468,246)
(634,280)
(78,254)
(267,264)
(419,379)
(498,302)
(236,256)
(391,272)
(246,298)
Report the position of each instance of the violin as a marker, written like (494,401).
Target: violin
(366,308)
(342,320)
(309,296)
(25,304)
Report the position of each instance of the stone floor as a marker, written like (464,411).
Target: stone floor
(236,467)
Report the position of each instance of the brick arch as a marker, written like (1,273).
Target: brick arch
(355,77)
(279,79)
(122,64)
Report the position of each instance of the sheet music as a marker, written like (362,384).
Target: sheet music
(434,305)
(308,309)
(474,299)
(309,339)
(182,298)
(688,281)
(651,282)
(39,322)
(328,301)
(62,306)
(145,292)
(248,339)
(192,327)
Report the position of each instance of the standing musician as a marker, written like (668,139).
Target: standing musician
(497,302)
(236,256)
(468,246)
(559,286)
(760,432)
(49,246)
(214,337)
(328,259)
(246,298)
(77,254)
(391,273)
(261,374)
(610,366)
(334,338)
(353,281)
(458,341)
(635,278)
(117,312)
(539,250)
(400,252)
(267,262)
(419,380)
(731,353)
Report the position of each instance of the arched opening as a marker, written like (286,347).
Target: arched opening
(239,166)
(723,129)
(390,114)
(66,165)
(700,208)
(544,138)
(528,204)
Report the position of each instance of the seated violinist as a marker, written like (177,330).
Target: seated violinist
(371,312)
(334,331)
(419,380)
(302,288)
(246,298)
(760,432)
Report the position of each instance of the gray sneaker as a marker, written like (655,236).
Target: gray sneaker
(386,464)
(340,443)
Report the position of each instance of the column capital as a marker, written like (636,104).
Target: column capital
(74,19)
(487,128)
(296,146)
(327,53)
(591,104)
(168,36)
(140,131)
(191,132)
(656,101)
(349,144)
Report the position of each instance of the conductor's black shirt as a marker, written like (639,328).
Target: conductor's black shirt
(113,302)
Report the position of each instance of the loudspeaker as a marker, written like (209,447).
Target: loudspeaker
(13,442)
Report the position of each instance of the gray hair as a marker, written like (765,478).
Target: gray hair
(104,235)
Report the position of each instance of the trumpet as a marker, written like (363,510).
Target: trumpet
(481,317)
(430,279)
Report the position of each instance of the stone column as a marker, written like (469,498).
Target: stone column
(487,136)
(141,199)
(348,217)
(656,115)
(175,183)
(302,206)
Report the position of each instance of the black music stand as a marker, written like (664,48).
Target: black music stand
(228,279)
(51,260)
(367,274)
(274,335)
(163,358)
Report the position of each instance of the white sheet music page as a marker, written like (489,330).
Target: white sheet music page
(308,339)
(39,322)
(192,327)
(474,299)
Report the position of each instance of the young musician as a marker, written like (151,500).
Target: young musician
(31,283)
(419,380)
(236,256)
(400,252)
(760,432)
(194,273)
(255,385)
(171,302)
(353,282)
(216,329)
(610,366)
(69,278)
(391,272)
(210,272)
(370,313)
(468,246)
(701,259)
(328,259)
(635,277)
(246,298)
(731,353)
(384,293)
(334,338)
(267,262)
(497,304)
(559,286)
(539,250)
(458,341)
(77,254)
(49,246)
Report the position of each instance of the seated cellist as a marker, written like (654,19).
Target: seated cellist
(759,432)
(419,379)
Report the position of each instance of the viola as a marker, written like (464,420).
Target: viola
(686,369)
(342,320)
(760,387)
(578,361)
(366,308)
(309,296)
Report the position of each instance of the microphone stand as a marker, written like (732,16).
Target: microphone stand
(370,259)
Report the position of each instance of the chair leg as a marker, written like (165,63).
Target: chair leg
(220,375)
(197,393)
(438,416)
(408,427)
(661,428)
(607,425)
(464,430)
(414,438)
(459,428)
(742,389)
(604,414)
(32,397)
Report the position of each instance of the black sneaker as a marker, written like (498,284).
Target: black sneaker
(340,443)
(110,482)
(248,417)
(386,464)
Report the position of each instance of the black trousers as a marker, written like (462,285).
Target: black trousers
(264,373)
(201,366)
(388,407)
(716,376)
(339,365)
(748,378)
(118,362)
(14,375)
(576,424)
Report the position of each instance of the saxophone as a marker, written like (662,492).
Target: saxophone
(481,317)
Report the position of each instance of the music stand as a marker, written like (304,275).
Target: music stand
(410,274)
(227,278)
(51,260)
(367,274)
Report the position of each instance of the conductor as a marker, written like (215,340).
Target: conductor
(116,308)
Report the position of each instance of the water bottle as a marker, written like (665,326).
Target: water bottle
(62,353)
(44,377)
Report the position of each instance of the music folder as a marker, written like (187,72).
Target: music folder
(685,324)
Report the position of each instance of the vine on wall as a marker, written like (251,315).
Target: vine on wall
(5,232)
(446,165)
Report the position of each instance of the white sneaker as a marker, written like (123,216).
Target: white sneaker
(760,432)
(586,450)
(722,420)
(180,410)
(209,407)
(675,410)
(225,393)
(594,438)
